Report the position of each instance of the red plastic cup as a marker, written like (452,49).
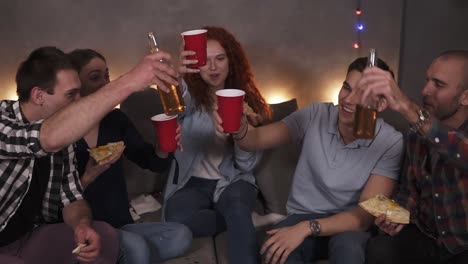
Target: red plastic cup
(230,107)
(195,40)
(166,127)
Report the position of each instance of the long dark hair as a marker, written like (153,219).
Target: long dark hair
(81,57)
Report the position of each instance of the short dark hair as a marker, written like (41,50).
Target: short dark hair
(81,57)
(40,69)
(361,63)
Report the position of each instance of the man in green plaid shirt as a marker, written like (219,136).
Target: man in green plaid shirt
(434,182)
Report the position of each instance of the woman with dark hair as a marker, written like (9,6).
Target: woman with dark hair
(212,187)
(92,69)
(104,184)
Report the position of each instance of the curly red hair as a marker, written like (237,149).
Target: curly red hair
(240,75)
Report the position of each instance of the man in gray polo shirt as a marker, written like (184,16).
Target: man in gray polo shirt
(335,171)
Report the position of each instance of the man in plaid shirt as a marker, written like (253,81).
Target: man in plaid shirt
(434,183)
(38,179)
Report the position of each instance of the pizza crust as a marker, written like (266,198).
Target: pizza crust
(100,153)
(381,205)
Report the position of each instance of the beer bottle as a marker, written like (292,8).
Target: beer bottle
(173,102)
(365,117)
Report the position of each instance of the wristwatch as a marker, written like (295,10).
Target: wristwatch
(315,227)
(423,118)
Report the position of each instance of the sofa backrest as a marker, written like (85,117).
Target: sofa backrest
(275,171)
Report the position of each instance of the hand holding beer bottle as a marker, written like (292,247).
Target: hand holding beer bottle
(366,114)
(172,101)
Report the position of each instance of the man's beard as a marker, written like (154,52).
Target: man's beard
(447,115)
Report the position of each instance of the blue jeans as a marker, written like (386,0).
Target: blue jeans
(343,248)
(193,206)
(153,242)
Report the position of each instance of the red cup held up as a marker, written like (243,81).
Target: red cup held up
(230,108)
(166,127)
(195,40)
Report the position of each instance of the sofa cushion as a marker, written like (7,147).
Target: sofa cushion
(274,177)
(275,170)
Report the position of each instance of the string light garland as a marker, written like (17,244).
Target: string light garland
(359,25)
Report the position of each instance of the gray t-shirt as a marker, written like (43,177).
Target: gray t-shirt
(330,175)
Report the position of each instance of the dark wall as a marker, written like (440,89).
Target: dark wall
(298,48)
(429,27)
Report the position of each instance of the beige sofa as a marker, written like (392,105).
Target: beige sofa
(273,174)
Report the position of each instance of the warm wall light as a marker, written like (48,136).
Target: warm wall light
(10,93)
(276,99)
(332,91)
(277,95)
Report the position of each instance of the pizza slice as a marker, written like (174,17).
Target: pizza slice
(100,153)
(381,205)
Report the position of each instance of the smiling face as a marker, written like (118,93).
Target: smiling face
(444,94)
(346,108)
(216,70)
(93,76)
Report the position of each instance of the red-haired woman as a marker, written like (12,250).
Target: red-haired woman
(214,189)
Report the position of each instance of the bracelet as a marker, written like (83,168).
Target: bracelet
(423,118)
(243,136)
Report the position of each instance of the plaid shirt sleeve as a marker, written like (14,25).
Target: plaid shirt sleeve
(19,140)
(71,189)
(451,143)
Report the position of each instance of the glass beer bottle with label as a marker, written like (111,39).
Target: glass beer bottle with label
(173,102)
(365,117)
